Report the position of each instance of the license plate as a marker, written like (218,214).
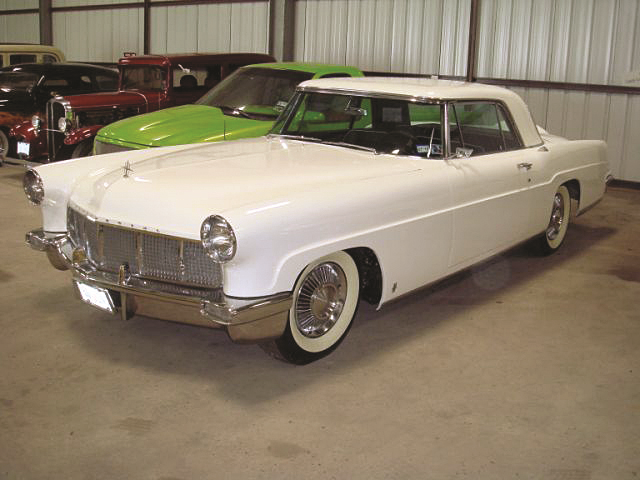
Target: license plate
(23,148)
(96,296)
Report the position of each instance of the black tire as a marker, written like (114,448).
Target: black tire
(4,147)
(553,237)
(83,149)
(325,300)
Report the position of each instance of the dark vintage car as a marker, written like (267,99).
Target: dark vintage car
(147,83)
(25,90)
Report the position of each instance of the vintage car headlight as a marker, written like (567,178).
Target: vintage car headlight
(218,239)
(63,124)
(35,121)
(33,187)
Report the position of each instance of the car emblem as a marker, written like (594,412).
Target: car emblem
(127,168)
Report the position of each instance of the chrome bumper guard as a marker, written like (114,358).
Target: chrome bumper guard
(246,320)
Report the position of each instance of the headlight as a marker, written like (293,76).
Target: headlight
(33,187)
(63,125)
(35,121)
(218,239)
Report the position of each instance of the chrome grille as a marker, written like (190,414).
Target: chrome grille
(104,147)
(148,255)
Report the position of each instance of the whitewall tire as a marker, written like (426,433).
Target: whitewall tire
(553,236)
(325,300)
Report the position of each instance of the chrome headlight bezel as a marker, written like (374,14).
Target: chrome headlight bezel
(33,187)
(63,124)
(36,123)
(218,239)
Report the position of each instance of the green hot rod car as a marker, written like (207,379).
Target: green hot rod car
(244,105)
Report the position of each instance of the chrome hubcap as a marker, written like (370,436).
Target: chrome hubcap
(557,217)
(320,300)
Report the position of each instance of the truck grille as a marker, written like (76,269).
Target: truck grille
(148,255)
(55,138)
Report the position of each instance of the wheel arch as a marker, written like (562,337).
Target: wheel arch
(574,192)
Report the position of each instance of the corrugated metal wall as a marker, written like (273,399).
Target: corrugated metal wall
(19,28)
(410,36)
(223,27)
(576,41)
(104,35)
(98,35)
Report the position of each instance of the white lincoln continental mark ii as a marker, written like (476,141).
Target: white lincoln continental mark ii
(365,188)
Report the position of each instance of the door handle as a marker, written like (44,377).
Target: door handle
(525,165)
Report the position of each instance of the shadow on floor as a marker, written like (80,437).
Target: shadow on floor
(247,375)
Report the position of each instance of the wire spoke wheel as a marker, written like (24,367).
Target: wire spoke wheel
(320,300)
(325,300)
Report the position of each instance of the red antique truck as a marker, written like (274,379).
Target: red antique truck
(147,83)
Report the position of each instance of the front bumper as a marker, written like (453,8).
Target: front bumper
(246,320)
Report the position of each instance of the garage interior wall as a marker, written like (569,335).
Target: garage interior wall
(577,41)
(23,28)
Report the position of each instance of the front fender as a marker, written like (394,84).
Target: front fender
(79,134)
(25,131)
(37,139)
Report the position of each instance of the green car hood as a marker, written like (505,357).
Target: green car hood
(182,125)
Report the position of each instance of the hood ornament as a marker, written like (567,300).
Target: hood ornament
(127,169)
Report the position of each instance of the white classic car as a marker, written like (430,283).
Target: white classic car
(366,188)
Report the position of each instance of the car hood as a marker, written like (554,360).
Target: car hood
(174,189)
(180,125)
(109,99)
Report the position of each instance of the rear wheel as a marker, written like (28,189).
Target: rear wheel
(83,148)
(325,300)
(553,237)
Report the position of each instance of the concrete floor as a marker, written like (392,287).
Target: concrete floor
(522,368)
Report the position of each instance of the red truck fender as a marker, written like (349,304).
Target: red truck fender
(78,135)
(25,131)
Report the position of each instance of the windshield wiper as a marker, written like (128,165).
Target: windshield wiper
(233,111)
(352,145)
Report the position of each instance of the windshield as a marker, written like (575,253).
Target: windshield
(18,80)
(383,125)
(254,92)
(144,77)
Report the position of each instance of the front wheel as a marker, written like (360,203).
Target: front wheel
(325,299)
(553,237)
(83,148)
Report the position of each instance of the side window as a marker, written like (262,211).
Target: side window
(189,78)
(104,82)
(479,128)
(46,58)
(21,58)
(425,129)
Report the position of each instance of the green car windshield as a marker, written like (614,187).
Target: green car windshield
(380,125)
(253,92)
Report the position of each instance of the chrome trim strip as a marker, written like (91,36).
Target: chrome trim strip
(363,93)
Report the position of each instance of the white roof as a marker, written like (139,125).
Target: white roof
(433,89)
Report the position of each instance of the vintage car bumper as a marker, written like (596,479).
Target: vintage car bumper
(246,320)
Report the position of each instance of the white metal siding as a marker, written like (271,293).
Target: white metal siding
(224,27)
(408,36)
(579,41)
(19,28)
(99,35)
(614,118)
